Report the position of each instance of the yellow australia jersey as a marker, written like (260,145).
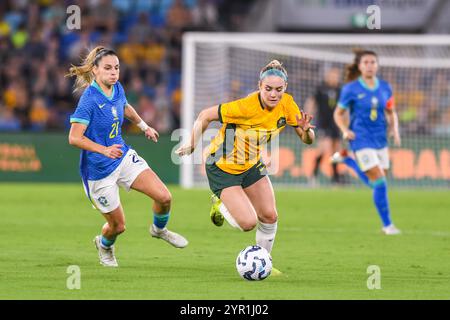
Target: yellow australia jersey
(247,127)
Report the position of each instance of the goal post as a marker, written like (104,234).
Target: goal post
(220,67)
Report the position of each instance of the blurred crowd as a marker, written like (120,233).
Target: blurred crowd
(37,48)
(422,98)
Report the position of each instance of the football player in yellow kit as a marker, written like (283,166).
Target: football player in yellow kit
(243,193)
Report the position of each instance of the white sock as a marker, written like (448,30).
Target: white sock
(265,235)
(227,215)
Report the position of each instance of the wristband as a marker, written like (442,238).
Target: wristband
(142,125)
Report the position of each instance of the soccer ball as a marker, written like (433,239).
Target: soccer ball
(254,263)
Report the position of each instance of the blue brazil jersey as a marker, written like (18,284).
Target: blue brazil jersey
(103,116)
(367,118)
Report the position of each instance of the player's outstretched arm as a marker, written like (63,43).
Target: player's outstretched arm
(205,117)
(304,128)
(132,115)
(78,139)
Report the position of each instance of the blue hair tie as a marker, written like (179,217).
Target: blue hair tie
(273,72)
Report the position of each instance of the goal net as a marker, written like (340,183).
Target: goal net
(221,67)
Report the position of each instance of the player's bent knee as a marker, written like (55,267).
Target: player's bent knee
(119,229)
(271,218)
(165,199)
(248,225)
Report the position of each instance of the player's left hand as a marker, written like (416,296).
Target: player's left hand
(304,122)
(184,150)
(397,139)
(152,134)
(394,134)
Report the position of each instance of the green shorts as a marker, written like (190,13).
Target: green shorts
(219,179)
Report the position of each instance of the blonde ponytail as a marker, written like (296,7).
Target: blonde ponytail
(83,73)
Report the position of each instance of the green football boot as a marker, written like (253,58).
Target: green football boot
(216,217)
(275,272)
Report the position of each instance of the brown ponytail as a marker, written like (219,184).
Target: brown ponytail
(84,72)
(352,70)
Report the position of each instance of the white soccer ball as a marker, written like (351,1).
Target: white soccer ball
(254,263)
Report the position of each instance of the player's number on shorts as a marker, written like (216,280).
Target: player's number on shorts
(115,130)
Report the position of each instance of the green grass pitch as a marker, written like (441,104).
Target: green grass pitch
(326,240)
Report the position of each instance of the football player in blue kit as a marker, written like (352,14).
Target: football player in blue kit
(370,102)
(106,161)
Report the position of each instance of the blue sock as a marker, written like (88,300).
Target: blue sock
(381,200)
(352,164)
(160,220)
(107,243)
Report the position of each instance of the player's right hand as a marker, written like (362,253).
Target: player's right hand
(113,151)
(348,135)
(184,150)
